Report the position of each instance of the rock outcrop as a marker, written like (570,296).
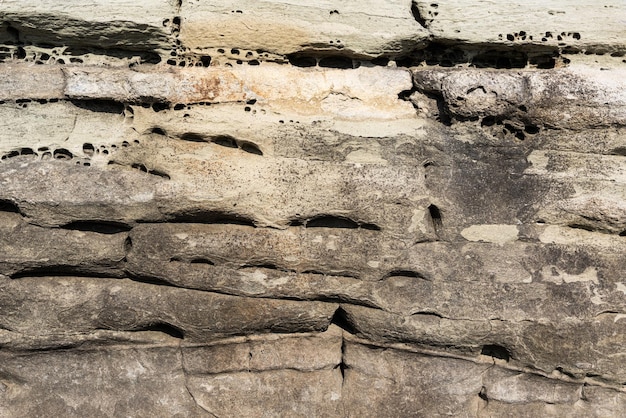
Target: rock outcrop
(274,208)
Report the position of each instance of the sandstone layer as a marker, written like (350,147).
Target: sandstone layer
(339,209)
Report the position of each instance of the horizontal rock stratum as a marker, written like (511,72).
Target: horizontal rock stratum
(341,209)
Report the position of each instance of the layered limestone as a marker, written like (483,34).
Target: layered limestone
(271,208)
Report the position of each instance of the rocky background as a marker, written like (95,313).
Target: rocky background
(265,208)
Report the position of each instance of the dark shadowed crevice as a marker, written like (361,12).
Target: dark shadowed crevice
(496,351)
(444,115)
(128,245)
(160,106)
(417,15)
(250,148)
(369,226)
(195,260)
(67,271)
(341,319)
(329,221)
(618,151)
(100,106)
(62,154)
(164,327)
(441,54)
(405,273)
(566,373)
(201,260)
(428,314)
(193,137)
(342,366)
(302,60)
(268,266)
(483,394)
(225,141)
(406,94)
(8,206)
(336,62)
(211,217)
(143,168)
(158,131)
(333,221)
(436,218)
(583,227)
(159,173)
(101,227)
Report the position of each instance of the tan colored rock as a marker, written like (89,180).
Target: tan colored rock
(367,29)
(562,24)
(101,24)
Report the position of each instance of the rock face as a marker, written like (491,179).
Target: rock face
(337,209)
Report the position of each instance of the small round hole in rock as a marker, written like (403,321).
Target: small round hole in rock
(62,154)
(88,149)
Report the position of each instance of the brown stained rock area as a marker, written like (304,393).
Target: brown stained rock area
(384,209)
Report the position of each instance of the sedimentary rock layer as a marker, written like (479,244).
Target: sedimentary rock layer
(267,208)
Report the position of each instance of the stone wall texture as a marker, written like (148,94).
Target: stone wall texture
(289,208)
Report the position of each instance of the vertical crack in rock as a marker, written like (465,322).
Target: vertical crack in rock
(186,377)
(415,11)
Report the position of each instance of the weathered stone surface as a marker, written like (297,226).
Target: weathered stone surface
(370,29)
(79,305)
(563,24)
(100,24)
(244,377)
(580,97)
(267,208)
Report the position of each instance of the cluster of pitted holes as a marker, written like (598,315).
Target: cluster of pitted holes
(179,55)
(239,57)
(502,127)
(63,55)
(89,150)
(43,154)
(36,54)
(182,57)
(222,140)
(438,54)
(249,108)
(157,107)
(505,128)
(523,35)
(332,61)
(23,103)
(431,13)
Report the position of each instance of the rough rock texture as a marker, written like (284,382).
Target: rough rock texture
(336,209)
